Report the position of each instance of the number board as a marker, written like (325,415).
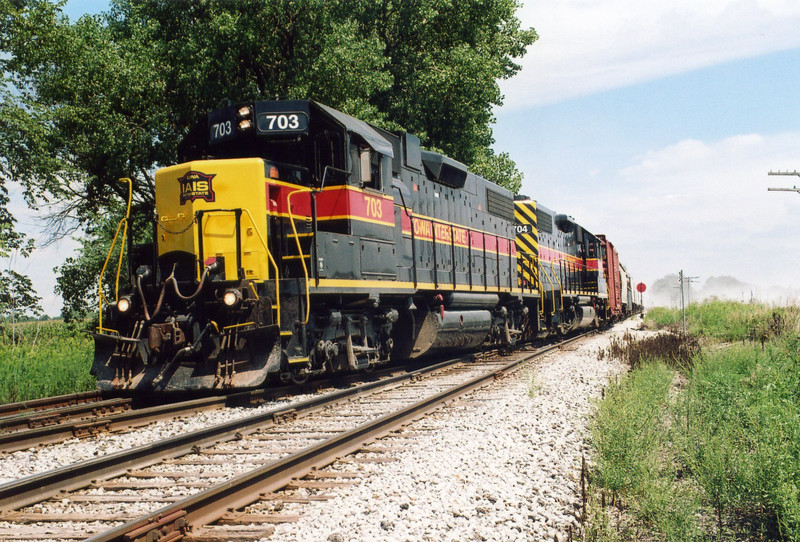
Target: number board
(222,125)
(283,121)
(523,228)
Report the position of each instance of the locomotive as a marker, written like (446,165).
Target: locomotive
(292,240)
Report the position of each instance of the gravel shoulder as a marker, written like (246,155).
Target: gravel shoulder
(501,464)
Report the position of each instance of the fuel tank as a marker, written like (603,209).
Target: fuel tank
(429,332)
(585,316)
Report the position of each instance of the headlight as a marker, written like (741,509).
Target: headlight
(124,304)
(232,298)
(245,125)
(244,112)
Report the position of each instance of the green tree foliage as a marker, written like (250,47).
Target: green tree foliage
(17,296)
(110,96)
(445,58)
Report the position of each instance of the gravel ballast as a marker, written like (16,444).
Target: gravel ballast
(40,459)
(502,464)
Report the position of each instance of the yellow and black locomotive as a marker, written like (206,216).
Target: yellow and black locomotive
(293,240)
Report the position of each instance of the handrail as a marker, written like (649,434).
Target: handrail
(560,286)
(266,248)
(274,265)
(299,248)
(413,248)
(576,269)
(535,270)
(552,289)
(100,295)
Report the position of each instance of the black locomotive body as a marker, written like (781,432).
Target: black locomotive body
(293,240)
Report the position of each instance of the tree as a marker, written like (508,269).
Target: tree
(446,58)
(110,96)
(17,296)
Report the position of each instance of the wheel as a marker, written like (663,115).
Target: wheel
(299,377)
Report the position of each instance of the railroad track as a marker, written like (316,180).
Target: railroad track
(55,419)
(195,486)
(47,403)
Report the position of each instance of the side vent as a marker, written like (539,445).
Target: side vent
(544,221)
(499,205)
(412,153)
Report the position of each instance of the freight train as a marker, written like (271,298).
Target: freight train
(293,240)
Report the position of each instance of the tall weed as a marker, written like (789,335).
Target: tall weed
(634,460)
(741,413)
(677,351)
(39,359)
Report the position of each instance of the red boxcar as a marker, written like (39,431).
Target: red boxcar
(611,268)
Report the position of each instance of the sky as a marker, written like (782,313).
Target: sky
(653,122)
(656,123)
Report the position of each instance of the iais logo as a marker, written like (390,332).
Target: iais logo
(196,185)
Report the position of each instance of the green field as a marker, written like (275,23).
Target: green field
(40,359)
(706,448)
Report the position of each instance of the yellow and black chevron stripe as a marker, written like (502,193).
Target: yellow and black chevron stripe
(527,243)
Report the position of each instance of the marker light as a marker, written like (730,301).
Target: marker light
(124,304)
(232,298)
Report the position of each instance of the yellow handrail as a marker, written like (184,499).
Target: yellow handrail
(124,221)
(274,265)
(560,286)
(544,273)
(299,249)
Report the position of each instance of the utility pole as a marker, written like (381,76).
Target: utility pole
(792,189)
(685,299)
(683,305)
(689,280)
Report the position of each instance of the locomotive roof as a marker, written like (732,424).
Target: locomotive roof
(366,131)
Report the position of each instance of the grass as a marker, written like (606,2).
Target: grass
(703,445)
(724,320)
(635,461)
(40,359)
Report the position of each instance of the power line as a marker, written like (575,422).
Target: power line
(690,280)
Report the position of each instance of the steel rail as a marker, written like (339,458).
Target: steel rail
(40,418)
(49,434)
(46,403)
(57,425)
(38,487)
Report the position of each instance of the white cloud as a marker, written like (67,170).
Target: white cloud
(704,207)
(588,47)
